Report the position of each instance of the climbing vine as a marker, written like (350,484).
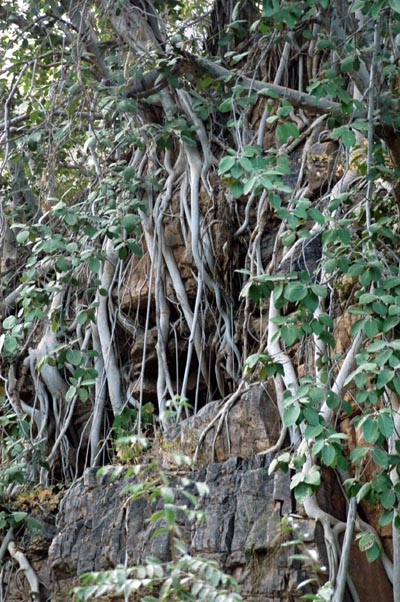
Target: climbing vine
(194,196)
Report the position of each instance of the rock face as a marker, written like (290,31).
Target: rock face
(251,426)
(98,527)
(248,516)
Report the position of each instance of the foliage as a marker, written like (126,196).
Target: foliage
(193,196)
(15,450)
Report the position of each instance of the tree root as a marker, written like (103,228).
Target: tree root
(220,417)
(26,567)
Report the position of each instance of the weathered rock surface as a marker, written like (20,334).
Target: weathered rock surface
(98,527)
(251,426)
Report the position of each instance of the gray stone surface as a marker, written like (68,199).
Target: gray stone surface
(98,526)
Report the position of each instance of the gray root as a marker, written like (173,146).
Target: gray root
(26,567)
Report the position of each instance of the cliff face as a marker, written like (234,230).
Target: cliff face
(98,528)
(249,514)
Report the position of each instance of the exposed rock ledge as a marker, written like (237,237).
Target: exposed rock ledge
(97,527)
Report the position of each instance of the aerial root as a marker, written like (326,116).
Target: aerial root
(26,567)
(220,417)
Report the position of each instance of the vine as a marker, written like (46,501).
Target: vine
(190,203)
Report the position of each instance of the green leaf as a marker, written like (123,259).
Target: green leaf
(19,516)
(288,239)
(169,514)
(289,334)
(332,400)
(246,164)
(74,356)
(388,499)
(311,415)
(237,189)
(373,553)
(326,319)
(376,346)
(277,292)
(226,164)
(344,134)
(94,265)
(70,393)
(317,216)
(82,317)
(385,518)
(395,384)
(129,173)
(280,463)
(268,92)
(329,454)
(295,291)
(291,414)
(83,394)
(9,322)
(62,265)
(371,430)
(249,184)
(383,357)
(122,252)
(134,247)
(384,377)
(22,236)
(285,130)
(10,343)
(363,492)
(367,298)
(33,524)
(380,457)
(303,491)
(313,476)
(370,328)
(129,222)
(390,323)
(320,291)
(359,453)
(386,424)
(311,432)
(346,64)
(226,105)
(343,235)
(127,105)
(253,359)
(366,540)
(380,308)
(356,327)
(395,5)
